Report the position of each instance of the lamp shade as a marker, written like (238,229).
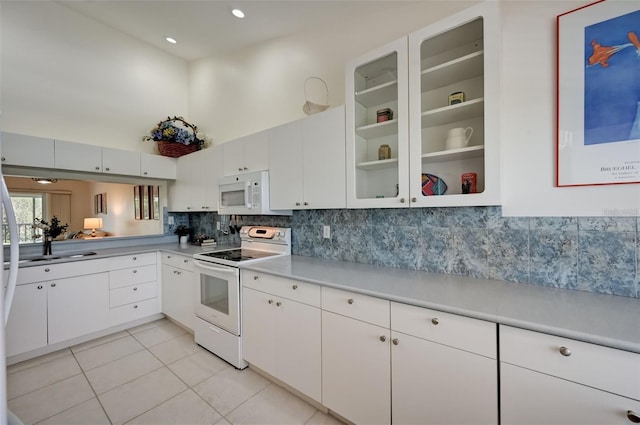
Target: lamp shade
(92,223)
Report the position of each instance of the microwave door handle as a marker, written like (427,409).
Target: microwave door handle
(247,195)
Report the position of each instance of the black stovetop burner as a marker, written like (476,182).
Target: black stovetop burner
(238,254)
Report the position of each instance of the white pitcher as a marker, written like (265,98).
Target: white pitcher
(458,137)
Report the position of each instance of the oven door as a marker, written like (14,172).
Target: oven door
(218,295)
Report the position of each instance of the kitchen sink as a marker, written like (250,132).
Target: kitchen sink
(34,258)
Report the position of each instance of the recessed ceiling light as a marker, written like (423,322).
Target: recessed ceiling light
(238,13)
(171,40)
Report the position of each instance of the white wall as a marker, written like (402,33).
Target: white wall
(261,87)
(68,77)
(529,119)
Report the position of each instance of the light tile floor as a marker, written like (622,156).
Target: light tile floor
(150,374)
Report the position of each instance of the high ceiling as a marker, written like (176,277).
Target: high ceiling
(206,27)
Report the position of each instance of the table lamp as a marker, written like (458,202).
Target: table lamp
(93,224)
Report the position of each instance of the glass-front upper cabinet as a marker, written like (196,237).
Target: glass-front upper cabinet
(453,103)
(422,116)
(377,127)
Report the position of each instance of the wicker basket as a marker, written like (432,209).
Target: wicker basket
(175,150)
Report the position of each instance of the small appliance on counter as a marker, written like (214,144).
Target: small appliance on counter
(218,304)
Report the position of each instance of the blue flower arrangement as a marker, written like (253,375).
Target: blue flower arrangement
(174,132)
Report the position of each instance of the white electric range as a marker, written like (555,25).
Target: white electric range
(218,299)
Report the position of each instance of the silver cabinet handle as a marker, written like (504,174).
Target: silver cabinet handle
(135,258)
(108,169)
(3,158)
(135,271)
(240,169)
(383,338)
(565,351)
(47,270)
(145,173)
(402,200)
(297,204)
(633,417)
(435,321)
(175,271)
(414,199)
(245,168)
(168,256)
(185,260)
(97,168)
(135,288)
(53,285)
(39,286)
(278,304)
(135,306)
(350,301)
(395,341)
(305,203)
(178,272)
(270,301)
(294,287)
(255,277)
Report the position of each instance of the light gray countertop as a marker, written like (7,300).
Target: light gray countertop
(607,320)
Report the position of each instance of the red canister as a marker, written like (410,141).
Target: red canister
(469,183)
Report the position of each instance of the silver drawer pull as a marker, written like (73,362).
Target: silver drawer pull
(270,301)
(135,258)
(435,321)
(278,304)
(135,271)
(565,351)
(47,270)
(350,300)
(53,285)
(295,287)
(135,289)
(39,286)
(633,417)
(185,260)
(135,306)
(168,256)
(383,338)
(395,341)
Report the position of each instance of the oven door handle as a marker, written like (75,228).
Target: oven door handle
(228,270)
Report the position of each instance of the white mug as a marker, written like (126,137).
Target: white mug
(458,137)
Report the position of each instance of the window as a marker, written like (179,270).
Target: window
(27,207)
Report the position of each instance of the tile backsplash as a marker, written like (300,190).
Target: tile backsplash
(596,254)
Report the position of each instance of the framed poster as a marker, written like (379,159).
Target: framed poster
(598,94)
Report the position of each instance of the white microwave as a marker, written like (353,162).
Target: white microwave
(246,194)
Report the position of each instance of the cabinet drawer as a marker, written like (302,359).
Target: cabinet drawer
(132,276)
(61,270)
(134,311)
(600,367)
(179,261)
(362,307)
(134,260)
(133,293)
(476,336)
(295,290)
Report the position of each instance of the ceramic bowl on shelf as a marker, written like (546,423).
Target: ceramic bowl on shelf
(433,185)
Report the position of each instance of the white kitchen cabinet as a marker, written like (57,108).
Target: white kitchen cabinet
(26,329)
(77,306)
(356,369)
(196,185)
(178,289)
(157,166)
(555,380)
(118,161)
(306,162)
(445,368)
(457,54)
(246,154)
(78,156)
(27,151)
(282,330)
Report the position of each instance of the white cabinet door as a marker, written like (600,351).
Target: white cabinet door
(247,154)
(323,162)
(27,151)
(26,329)
(375,81)
(117,161)
(356,369)
(299,347)
(259,341)
(157,166)
(285,166)
(77,306)
(460,53)
(533,398)
(180,189)
(78,156)
(436,384)
(196,185)
(177,295)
